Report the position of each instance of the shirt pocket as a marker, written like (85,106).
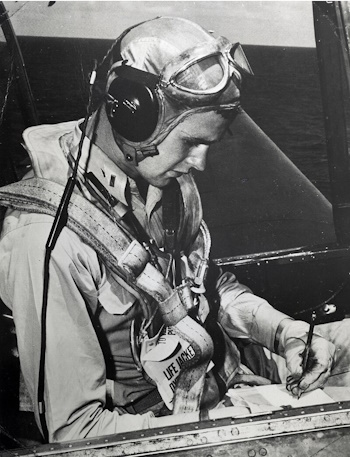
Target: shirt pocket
(114,298)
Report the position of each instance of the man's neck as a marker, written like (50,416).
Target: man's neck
(100,132)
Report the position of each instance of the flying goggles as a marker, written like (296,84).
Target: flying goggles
(205,70)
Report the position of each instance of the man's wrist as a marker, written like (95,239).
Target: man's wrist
(289,329)
(266,321)
(281,326)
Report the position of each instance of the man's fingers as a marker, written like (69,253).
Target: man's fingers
(318,366)
(311,380)
(314,379)
(294,364)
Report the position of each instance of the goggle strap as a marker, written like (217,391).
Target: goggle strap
(136,75)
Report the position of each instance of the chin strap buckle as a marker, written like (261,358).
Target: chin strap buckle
(136,155)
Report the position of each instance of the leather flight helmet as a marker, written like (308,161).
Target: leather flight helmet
(164,70)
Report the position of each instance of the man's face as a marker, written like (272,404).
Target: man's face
(185,147)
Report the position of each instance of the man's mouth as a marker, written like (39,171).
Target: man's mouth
(175,174)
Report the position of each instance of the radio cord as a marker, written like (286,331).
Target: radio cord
(59,223)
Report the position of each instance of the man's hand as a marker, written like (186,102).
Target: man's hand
(292,346)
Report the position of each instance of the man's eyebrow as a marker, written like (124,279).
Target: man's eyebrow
(200,139)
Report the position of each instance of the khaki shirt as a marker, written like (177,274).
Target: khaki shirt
(89,316)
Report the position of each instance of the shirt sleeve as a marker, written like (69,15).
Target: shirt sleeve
(245,315)
(75,377)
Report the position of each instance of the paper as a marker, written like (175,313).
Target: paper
(278,395)
(275,397)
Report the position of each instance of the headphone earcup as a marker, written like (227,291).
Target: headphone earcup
(132,109)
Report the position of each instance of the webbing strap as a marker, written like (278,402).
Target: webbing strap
(121,253)
(171,215)
(127,258)
(190,383)
(95,228)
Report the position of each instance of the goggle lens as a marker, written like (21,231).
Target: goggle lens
(202,75)
(240,60)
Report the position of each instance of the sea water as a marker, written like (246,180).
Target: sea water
(283,97)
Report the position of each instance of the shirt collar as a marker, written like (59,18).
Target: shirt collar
(94,160)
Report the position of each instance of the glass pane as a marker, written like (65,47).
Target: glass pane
(203,75)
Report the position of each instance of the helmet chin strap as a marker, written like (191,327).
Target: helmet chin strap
(135,155)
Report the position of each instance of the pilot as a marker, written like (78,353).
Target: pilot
(124,319)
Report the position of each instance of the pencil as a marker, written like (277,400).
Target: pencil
(308,341)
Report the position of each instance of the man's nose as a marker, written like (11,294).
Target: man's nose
(198,157)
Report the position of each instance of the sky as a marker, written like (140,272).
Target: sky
(279,23)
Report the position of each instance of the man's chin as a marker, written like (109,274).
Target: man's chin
(163,182)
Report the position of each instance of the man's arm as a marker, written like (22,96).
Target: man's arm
(244,315)
(75,377)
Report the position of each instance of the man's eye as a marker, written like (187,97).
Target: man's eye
(192,143)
